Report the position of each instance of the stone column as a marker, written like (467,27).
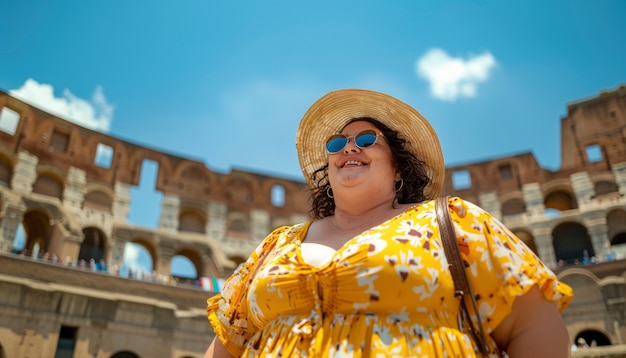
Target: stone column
(619,170)
(260,224)
(25,173)
(216,225)
(121,206)
(164,263)
(598,230)
(533,197)
(116,255)
(170,209)
(545,247)
(11,220)
(74,193)
(583,188)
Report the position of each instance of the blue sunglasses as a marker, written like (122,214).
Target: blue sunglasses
(365,139)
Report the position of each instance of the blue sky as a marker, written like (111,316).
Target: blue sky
(226,82)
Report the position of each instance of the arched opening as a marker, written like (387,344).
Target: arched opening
(19,240)
(50,185)
(191,220)
(37,229)
(187,266)
(93,247)
(560,200)
(239,191)
(98,200)
(277,195)
(572,243)
(513,207)
(605,187)
(592,338)
(616,223)
(138,260)
(183,269)
(619,239)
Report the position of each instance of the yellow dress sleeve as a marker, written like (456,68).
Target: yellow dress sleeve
(500,266)
(228,311)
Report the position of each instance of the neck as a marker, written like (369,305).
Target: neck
(362,214)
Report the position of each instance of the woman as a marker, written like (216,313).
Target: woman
(368,277)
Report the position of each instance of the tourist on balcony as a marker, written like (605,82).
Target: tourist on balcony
(368,276)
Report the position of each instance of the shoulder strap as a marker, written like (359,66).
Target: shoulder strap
(462,287)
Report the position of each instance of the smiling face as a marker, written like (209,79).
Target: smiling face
(353,167)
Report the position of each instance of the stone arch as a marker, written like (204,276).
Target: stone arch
(238,222)
(605,187)
(198,176)
(94,245)
(50,184)
(150,248)
(239,190)
(593,335)
(194,256)
(37,230)
(99,197)
(192,220)
(588,302)
(616,224)
(513,206)
(561,200)
(570,241)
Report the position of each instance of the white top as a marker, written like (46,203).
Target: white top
(316,254)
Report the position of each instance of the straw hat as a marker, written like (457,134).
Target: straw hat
(329,114)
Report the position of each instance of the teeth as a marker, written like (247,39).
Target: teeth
(353,162)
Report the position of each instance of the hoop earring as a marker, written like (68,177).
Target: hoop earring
(329,192)
(395,185)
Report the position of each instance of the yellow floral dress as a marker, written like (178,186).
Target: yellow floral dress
(386,293)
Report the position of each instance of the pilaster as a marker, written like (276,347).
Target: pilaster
(74,193)
(216,225)
(25,173)
(170,208)
(583,188)
(121,206)
(619,170)
(533,198)
(545,246)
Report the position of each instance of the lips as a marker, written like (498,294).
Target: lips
(352,163)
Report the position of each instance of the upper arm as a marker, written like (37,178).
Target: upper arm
(217,350)
(533,328)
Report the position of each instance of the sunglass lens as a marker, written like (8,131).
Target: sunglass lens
(365,139)
(336,143)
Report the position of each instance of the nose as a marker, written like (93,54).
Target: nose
(351,146)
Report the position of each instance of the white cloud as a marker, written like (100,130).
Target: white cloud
(96,114)
(451,78)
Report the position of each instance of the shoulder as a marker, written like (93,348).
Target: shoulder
(465,209)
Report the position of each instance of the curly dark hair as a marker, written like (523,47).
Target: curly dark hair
(412,171)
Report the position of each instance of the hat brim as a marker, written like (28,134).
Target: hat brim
(329,114)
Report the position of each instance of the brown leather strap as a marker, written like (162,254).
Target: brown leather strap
(462,287)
